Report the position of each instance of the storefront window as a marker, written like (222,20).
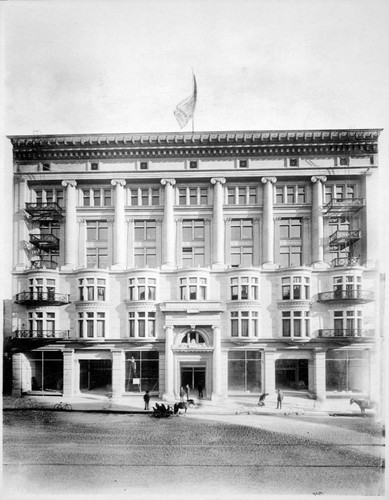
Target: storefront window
(244,371)
(347,370)
(46,371)
(142,371)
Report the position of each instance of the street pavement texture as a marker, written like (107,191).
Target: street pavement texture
(195,456)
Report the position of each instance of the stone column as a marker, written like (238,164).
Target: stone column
(118,373)
(216,384)
(69,380)
(17,363)
(268,223)
(320,374)
(71,240)
(269,385)
(317,229)
(168,236)
(169,362)
(218,223)
(119,246)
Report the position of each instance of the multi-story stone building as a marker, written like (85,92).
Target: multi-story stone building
(244,261)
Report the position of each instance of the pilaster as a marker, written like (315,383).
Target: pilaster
(320,375)
(119,230)
(69,379)
(269,384)
(118,373)
(216,387)
(169,237)
(268,223)
(169,360)
(317,229)
(71,240)
(218,226)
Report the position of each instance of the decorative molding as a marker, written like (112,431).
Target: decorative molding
(118,182)
(271,180)
(192,307)
(294,304)
(86,305)
(319,178)
(140,305)
(249,305)
(67,183)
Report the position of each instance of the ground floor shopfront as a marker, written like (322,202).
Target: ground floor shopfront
(229,369)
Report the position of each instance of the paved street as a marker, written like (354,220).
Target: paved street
(59,452)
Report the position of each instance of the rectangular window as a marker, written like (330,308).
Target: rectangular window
(203,196)
(244,323)
(142,371)
(295,323)
(241,229)
(96,231)
(86,197)
(145,230)
(231,196)
(97,257)
(346,370)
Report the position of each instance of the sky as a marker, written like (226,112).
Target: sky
(123,66)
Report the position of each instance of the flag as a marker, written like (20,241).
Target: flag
(185,110)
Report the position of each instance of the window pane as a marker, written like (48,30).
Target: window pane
(286,328)
(234,328)
(151,231)
(187,233)
(245,327)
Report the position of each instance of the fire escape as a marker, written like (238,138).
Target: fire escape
(344,209)
(47,216)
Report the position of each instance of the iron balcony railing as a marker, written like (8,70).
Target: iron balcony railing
(43,264)
(344,238)
(35,298)
(347,332)
(338,206)
(352,295)
(45,241)
(44,211)
(345,262)
(42,334)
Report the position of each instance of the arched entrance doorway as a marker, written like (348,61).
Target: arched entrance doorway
(193,361)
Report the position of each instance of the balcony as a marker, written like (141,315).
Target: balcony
(42,298)
(340,206)
(343,239)
(356,296)
(43,264)
(44,211)
(345,262)
(41,334)
(346,333)
(45,241)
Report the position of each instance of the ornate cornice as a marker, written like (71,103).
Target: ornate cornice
(203,144)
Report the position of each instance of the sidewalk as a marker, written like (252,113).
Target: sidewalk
(228,406)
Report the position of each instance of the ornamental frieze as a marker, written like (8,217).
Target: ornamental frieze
(87,305)
(243,304)
(294,304)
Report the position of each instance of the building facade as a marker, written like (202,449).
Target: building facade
(241,261)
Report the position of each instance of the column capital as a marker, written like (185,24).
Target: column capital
(207,222)
(319,178)
(118,182)
(168,327)
(67,183)
(168,181)
(215,327)
(129,220)
(81,221)
(272,180)
(220,180)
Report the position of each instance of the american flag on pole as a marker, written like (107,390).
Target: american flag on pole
(185,109)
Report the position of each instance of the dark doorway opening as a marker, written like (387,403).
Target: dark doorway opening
(96,375)
(193,376)
(292,374)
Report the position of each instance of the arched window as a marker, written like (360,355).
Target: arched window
(193,337)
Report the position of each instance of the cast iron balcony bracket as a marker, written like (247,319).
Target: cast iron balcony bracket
(347,332)
(36,298)
(351,295)
(42,334)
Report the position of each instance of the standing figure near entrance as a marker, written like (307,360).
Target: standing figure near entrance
(146,399)
(187,391)
(200,389)
(280,397)
(182,394)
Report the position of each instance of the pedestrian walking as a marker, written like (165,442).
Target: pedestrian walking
(146,399)
(182,394)
(187,392)
(200,389)
(280,397)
